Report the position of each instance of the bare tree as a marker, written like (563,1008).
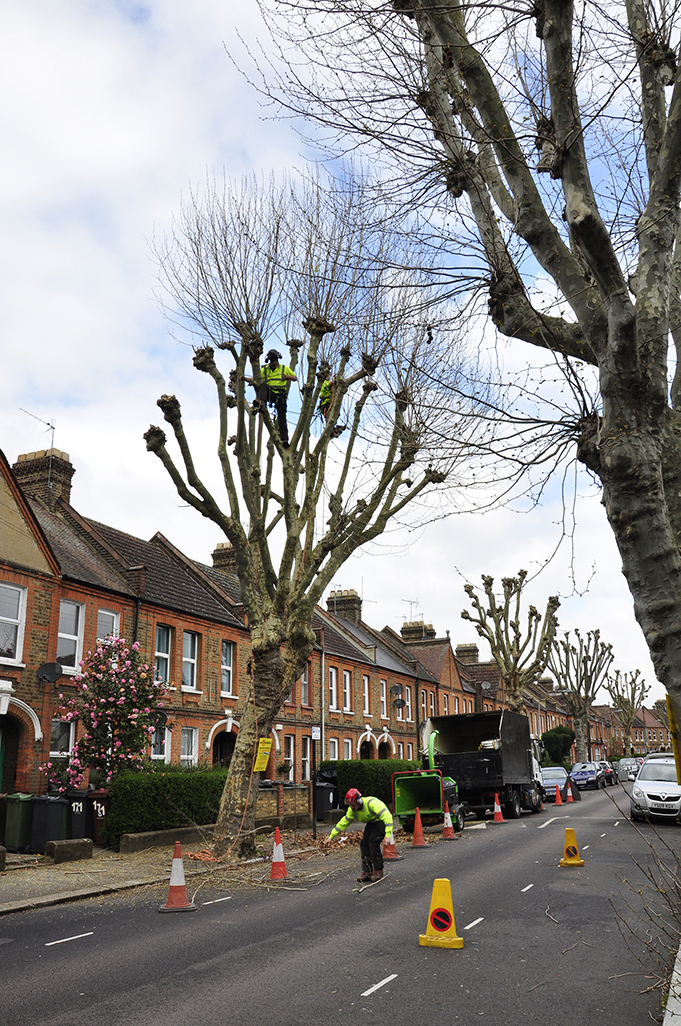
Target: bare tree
(581,669)
(627,694)
(246,268)
(521,659)
(543,145)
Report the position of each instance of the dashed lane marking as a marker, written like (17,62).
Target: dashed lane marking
(216,900)
(554,819)
(526,888)
(376,986)
(65,939)
(474,923)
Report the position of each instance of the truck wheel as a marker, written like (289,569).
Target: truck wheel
(512,807)
(536,802)
(459,821)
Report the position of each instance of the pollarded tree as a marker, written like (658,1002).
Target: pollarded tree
(627,694)
(254,266)
(580,669)
(521,659)
(543,141)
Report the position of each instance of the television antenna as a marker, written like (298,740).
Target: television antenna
(411,603)
(51,426)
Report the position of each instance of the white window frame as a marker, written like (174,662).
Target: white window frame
(305,756)
(407,699)
(424,703)
(193,758)
(445,703)
(347,748)
(115,632)
(191,662)
(160,655)
(227,690)
(289,755)
(333,749)
(366,694)
(347,691)
(400,750)
(333,689)
(78,637)
(399,712)
(19,623)
(305,686)
(167,741)
(384,699)
(410,750)
(431,702)
(456,705)
(64,754)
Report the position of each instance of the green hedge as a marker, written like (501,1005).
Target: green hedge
(370,776)
(160,800)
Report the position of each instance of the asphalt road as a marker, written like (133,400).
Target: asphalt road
(543,946)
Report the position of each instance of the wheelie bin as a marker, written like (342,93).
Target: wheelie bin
(49,821)
(19,822)
(82,814)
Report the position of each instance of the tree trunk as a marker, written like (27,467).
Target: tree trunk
(580,736)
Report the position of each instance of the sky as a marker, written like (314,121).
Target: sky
(111,112)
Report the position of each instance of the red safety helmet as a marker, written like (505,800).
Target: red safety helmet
(353,795)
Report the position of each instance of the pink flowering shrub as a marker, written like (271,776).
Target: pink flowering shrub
(116,701)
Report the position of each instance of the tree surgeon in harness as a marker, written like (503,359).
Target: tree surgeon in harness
(273,389)
(376,815)
(325,402)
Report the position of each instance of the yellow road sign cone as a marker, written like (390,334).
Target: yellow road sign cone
(571,855)
(441,928)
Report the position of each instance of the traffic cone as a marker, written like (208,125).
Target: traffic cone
(498,815)
(559,800)
(390,851)
(278,864)
(571,851)
(419,840)
(441,928)
(448,832)
(177,900)
(569,792)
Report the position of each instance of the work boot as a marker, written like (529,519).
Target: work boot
(364,878)
(377,875)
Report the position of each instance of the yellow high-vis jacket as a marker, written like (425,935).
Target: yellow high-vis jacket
(372,809)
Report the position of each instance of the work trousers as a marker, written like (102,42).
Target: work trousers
(370,846)
(276,398)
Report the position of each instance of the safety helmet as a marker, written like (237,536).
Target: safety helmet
(353,795)
(273,353)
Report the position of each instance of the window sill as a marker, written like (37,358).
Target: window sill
(224,694)
(16,663)
(190,691)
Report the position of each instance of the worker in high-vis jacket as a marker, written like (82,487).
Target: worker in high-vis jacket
(379,821)
(275,379)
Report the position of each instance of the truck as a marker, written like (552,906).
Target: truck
(487,754)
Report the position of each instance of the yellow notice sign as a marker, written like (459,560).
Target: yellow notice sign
(263,756)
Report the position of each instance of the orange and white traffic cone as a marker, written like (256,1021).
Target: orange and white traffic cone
(559,800)
(498,815)
(419,840)
(177,900)
(569,792)
(278,864)
(448,832)
(390,851)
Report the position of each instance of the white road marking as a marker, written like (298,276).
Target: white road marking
(526,888)
(216,900)
(617,823)
(474,923)
(377,985)
(476,826)
(65,939)
(585,846)
(602,835)
(554,819)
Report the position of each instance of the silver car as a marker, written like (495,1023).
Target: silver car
(655,791)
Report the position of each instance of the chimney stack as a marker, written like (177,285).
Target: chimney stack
(224,558)
(45,475)
(416,630)
(468,653)
(346,604)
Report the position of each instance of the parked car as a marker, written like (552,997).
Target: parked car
(655,792)
(628,768)
(610,771)
(552,777)
(588,774)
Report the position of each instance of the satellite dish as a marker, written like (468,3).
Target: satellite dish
(486,686)
(159,718)
(399,703)
(396,689)
(50,672)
